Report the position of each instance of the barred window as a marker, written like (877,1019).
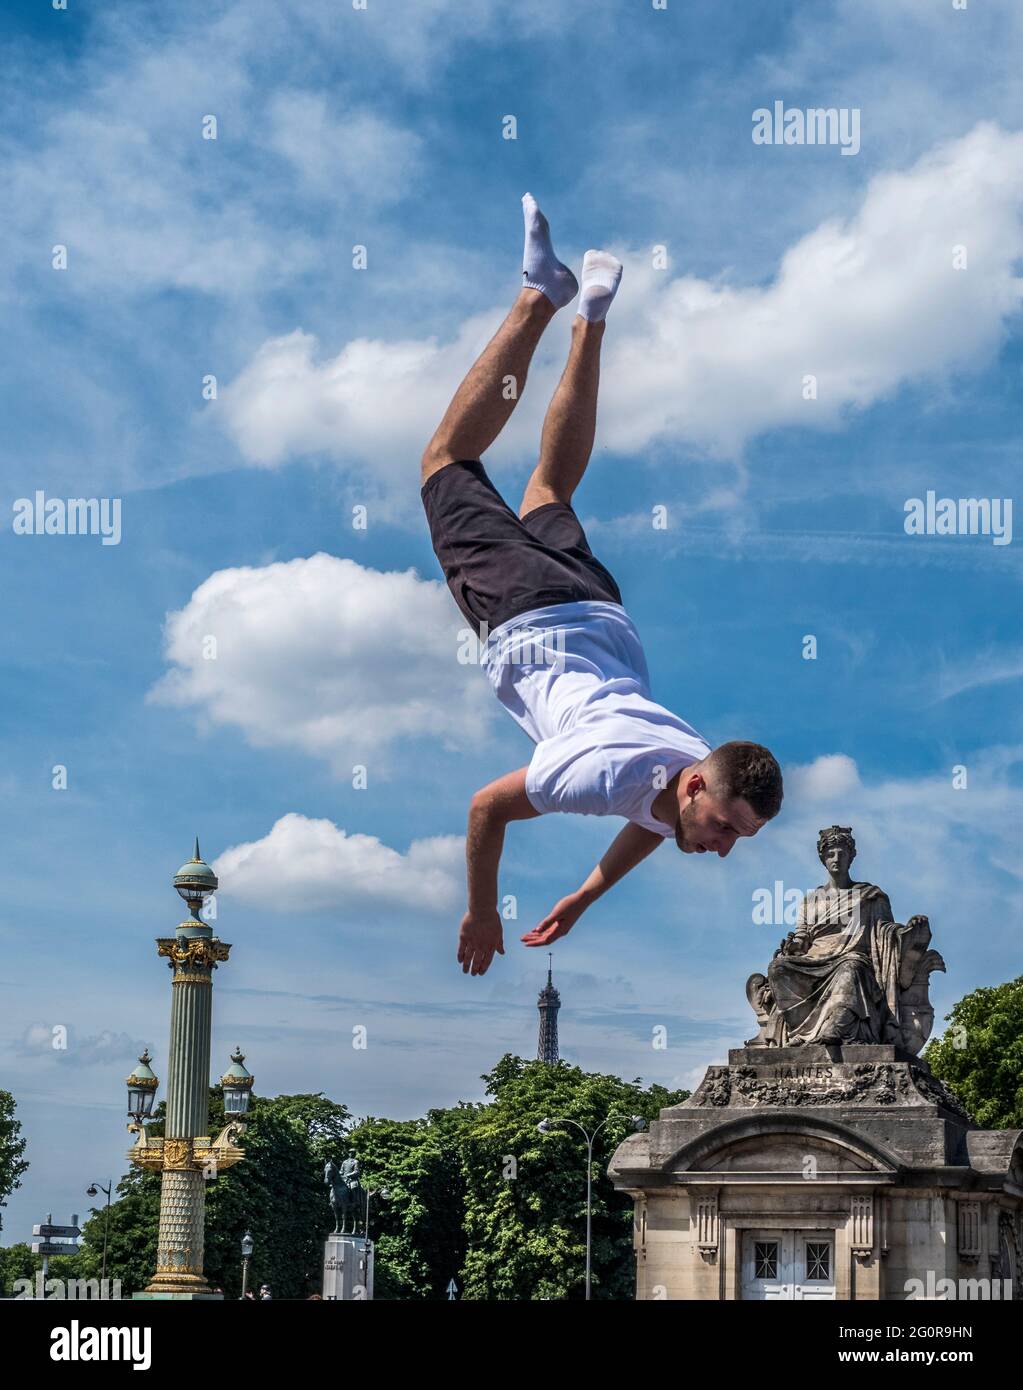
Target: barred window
(765,1258)
(818,1259)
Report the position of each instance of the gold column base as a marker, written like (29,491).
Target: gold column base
(177,1281)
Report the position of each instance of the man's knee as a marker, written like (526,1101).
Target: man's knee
(541,495)
(435,457)
(438,454)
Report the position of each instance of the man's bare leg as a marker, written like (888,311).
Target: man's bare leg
(482,405)
(570,423)
(571,420)
(484,401)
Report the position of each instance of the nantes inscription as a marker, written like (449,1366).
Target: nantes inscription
(810,1084)
(794,1084)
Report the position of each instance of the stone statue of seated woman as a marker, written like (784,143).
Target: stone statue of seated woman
(849,973)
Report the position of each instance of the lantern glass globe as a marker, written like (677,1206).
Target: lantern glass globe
(140,1103)
(236,1100)
(142,1086)
(192,893)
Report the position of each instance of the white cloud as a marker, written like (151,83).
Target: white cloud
(314,865)
(981,668)
(327,656)
(833,775)
(104,1047)
(375,402)
(109,158)
(418,37)
(354,151)
(865,306)
(117,169)
(926,842)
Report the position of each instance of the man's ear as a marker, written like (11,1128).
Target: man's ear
(693,784)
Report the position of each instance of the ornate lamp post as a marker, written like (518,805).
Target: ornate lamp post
(545,1126)
(184,1156)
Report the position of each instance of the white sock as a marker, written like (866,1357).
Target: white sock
(541,269)
(601,275)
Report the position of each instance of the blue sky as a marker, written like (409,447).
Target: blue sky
(233,257)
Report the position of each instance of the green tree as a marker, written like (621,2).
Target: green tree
(12,1147)
(526,1192)
(326,1123)
(980,1054)
(277,1193)
(16,1262)
(418,1229)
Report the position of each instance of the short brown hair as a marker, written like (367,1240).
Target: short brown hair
(749,771)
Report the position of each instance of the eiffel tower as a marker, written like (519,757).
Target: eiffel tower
(548,1005)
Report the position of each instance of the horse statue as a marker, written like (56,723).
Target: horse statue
(346,1193)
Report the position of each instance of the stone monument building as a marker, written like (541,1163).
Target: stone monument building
(826,1161)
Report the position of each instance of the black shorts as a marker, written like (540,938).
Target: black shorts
(497,565)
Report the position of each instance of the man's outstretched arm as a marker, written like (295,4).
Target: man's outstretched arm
(489,812)
(629,848)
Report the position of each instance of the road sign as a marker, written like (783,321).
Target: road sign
(53,1247)
(50,1232)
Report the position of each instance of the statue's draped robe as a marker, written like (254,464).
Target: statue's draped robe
(845,983)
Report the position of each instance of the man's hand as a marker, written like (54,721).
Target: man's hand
(630,846)
(480,937)
(490,811)
(559,921)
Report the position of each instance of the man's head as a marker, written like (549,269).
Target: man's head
(731,793)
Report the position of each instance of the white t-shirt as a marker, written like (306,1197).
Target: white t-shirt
(574,676)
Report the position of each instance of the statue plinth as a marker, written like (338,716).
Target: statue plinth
(882,1075)
(347,1268)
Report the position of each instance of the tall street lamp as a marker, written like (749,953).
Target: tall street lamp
(93,1191)
(184,1156)
(546,1125)
(374,1192)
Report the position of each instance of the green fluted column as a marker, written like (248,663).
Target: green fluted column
(194,953)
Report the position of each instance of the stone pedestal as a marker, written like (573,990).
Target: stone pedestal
(347,1268)
(822,1172)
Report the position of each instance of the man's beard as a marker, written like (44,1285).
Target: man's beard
(682,837)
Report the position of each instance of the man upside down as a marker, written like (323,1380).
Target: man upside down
(561,652)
